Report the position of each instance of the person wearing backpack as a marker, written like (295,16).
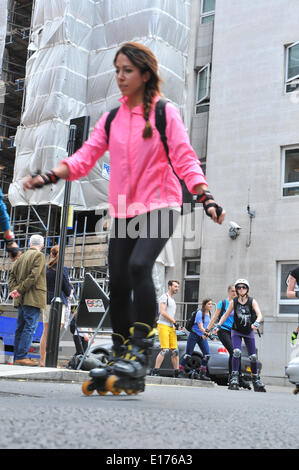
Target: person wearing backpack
(224,333)
(197,336)
(167,329)
(247,319)
(145,199)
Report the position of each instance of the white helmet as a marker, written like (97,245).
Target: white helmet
(242,281)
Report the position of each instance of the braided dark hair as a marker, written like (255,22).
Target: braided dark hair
(143,58)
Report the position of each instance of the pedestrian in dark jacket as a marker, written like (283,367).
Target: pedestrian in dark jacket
(65,293)
(27,285)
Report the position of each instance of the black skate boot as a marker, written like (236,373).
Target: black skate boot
(155,372)
(203,374)
(234,381)
(99,376)
(258,385)
(244,383)
(178,373)
(128,373)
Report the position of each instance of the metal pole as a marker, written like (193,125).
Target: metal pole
(78,133)
(57,303)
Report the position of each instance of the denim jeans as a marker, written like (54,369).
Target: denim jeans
(26,326)
(193,338)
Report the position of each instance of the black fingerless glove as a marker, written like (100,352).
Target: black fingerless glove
(13,250)
(207,196)
(49,178)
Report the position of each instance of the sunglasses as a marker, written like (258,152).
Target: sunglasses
(241,287)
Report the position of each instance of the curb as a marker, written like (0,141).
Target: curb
(80,376)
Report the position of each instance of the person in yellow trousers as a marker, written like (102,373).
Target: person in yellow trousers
(167,329)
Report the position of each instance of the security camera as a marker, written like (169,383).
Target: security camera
(234,230)
(234,225)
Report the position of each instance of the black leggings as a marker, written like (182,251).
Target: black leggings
(134,245)
(226,340)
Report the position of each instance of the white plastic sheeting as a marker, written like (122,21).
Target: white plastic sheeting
(70,74)
(3,27)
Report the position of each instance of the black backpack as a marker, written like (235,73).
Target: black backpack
(191,320)
(239,322)
(160,121)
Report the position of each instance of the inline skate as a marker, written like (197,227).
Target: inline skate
(258,385)
(243,382)
(98,376)
(128,367)
(234,381)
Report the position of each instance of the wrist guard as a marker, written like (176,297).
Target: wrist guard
(207,196)
(49,178)
(257,324)
(12,250)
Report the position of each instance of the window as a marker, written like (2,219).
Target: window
(192,268)
(207,11)
(191,285)
(292,67)
(290,172)
(203,89)
(286,306)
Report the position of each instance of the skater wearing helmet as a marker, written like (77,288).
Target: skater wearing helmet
(224,333)
(145,196)
(247,319)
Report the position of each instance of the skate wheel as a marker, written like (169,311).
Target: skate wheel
(129,391)
(110,382)
(86,388)
(295,391)
(102,392)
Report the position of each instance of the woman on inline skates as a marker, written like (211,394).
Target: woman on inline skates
(145,197)
(247,319)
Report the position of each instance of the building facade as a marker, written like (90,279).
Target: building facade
(244,127)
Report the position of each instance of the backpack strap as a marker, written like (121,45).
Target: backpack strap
(160,122)
(222,308)
(109,119)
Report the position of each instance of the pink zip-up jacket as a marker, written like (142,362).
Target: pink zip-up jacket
(141,178)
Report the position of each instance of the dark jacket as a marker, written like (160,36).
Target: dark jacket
(66,285)
(28,276)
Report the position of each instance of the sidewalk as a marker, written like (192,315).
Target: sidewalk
(79,376)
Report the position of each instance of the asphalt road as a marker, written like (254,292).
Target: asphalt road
(58,416)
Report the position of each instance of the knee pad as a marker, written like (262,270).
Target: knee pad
(237,353)
(163,352)
(253,358)
(174,352)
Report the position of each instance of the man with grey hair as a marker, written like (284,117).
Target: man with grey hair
(28,287)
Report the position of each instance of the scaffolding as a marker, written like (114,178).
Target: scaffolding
(85,251)
(57,65)
(15,56)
